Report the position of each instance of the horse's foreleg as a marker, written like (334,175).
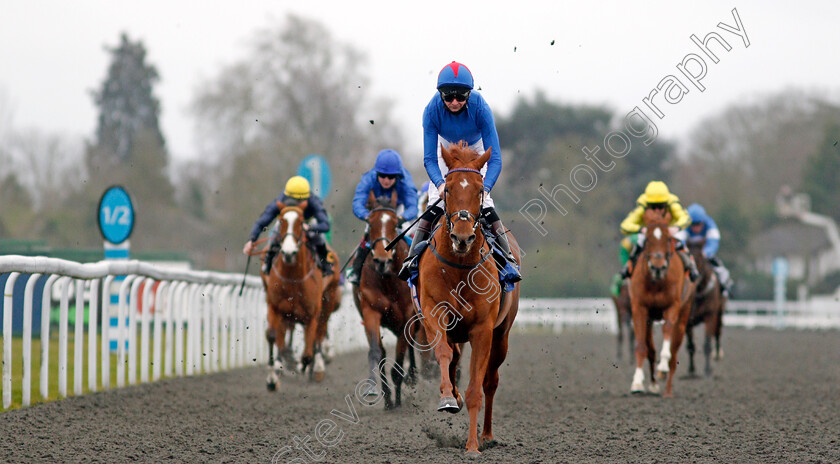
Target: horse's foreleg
(710,326)
(481,340)
(671,317)
(689,339)
(443,355)
(640,329)
(651,356)
(498,353)
(397,372)
(677,333)
(455,371)
(380,370)
(371,320)
(273,379)
(411,378)
(620,330)
(310,330)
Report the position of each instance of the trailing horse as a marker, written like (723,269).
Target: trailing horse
(384,300)
(659,290)
(707,308)
(624,318)
(297,292)
(461,297)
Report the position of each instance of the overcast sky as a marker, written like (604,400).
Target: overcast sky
(613,53)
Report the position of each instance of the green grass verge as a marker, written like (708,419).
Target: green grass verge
(35,385)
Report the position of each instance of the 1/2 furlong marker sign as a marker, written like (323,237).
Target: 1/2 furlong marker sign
(116,215)
(116,222)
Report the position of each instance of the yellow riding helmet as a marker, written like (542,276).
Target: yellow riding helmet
(657,192)
(297,187)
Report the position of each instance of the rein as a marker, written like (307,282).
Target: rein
(456,265)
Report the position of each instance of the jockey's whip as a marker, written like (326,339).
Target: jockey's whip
(355,250)
(247,264)
(402,234)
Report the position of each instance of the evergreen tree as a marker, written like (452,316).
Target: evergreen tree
(126,102)
(130,148)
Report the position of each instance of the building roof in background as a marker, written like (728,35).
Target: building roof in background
(790,238)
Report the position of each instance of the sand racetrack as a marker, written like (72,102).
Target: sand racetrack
(562,398)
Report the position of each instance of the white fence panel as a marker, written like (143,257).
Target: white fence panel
(599,314)
(205,301)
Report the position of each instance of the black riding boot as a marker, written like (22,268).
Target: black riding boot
(355,273)
(688,261)
(631,261)
(323,261)
(424,229)
(269,256)
(509,266)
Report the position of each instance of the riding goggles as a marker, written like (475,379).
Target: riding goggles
(386,176)
(454,94)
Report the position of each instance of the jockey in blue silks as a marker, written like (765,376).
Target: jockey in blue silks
(388,175)
(458,113)
(704,227)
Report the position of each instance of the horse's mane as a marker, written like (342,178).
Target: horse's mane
(462,153)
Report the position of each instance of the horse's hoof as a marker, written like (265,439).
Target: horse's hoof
(473,454)
(271,386)
(449,404)
(318,376)
(637,389)
(654,389)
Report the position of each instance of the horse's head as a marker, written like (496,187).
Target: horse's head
(291,228)
(383,221)
(464,194)
(695,247)
(657,249)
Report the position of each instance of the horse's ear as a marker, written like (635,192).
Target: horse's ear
(482,160)
(371,201)
(302,205)
(280,205)
(447,156)
(394,199)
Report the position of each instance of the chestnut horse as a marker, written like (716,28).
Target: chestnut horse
(624,317)
(297,292)
(460,295)
(384,300)
(659,290)
(707,308)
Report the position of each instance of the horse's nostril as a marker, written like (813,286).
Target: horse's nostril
(471,238)
(453,238)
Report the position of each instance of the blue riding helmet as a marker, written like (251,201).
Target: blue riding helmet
(388,162)
(455,74)
(697,213)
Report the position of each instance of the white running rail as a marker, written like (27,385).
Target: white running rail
(599,314)
(224,329)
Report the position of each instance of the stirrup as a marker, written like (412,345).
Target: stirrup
(408,267)
(352,277)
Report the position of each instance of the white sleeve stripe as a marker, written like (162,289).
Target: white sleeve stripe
(713,234)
